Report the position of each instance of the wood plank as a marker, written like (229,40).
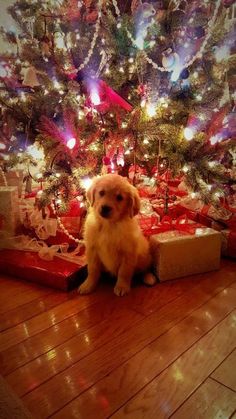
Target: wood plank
(169,390)
(226,372)
(16,294)
(125,381)
(44,367)
(50,338)
(33,308)
(18,355)
(37,324)
(211,400)
(77,378)
(147,302)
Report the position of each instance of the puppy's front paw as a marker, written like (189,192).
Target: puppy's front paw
(121,289)
(87,287)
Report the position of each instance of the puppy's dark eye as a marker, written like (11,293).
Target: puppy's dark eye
(119,197)
(101,193)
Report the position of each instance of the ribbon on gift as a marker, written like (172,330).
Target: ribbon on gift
(44,226)
(181,224)
(44,251)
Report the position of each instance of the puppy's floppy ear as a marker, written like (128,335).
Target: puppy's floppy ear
(135,202)
(91,192)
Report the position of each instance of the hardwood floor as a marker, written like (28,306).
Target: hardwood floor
(166,351)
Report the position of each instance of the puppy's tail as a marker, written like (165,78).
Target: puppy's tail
(149,279)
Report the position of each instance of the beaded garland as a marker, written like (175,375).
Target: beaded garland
(63,227)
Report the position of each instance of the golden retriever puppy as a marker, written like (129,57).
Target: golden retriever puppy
(113,239)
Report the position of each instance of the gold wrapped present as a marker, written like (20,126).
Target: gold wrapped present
(177,254)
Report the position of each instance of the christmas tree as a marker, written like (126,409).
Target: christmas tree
(91,87)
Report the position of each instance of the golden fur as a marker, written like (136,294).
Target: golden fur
(113,239)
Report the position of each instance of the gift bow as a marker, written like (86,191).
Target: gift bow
(181,224)
(44,251)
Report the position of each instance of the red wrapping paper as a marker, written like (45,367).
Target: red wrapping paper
(58,273)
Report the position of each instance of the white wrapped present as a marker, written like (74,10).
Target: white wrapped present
(177,254)
(14,178)
(9,209)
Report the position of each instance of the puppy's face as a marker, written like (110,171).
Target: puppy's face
(113,198)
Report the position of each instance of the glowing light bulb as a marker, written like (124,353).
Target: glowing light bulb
(118,25)
(35,152)
(131,60)
(145,141)
(222,53)
(23,97)
(188,133)
(2,146)
(86,183)
(143,103)
(199,97)
(95,99)
(107,71)
(121,70)
(124,125)
(56,84)
(151,109)
(71,143)
(185,169)
(3,71)
(139,42)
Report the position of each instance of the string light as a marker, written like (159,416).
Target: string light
(71,143)
(86,183)
(151,109)
(199,97)
(188,133)
(23,97)
(185,169)
(56,84)
(95,99)
(35,152)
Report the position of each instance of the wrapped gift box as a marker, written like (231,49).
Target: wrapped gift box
(9,209)
(177,254)
(14,178)
(56,273)
(228,243)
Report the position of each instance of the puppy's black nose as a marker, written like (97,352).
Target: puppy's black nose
(105,211)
